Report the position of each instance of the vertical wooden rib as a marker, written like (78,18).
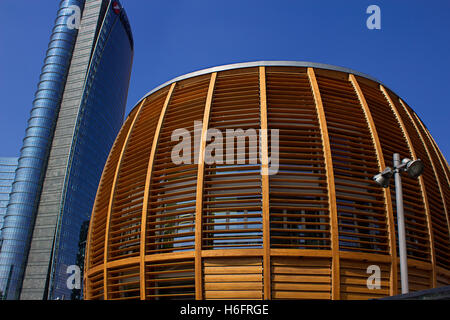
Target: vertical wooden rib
(199,196)
(87,292)
(335,272)
(387,194)
(422,186)
(410,147)
(422,183)
(147,190)
(440,183)
(265,183)
(111,199)
(413,154)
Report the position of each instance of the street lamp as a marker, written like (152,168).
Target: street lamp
(414,168)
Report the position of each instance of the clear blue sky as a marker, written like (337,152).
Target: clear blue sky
(410,54)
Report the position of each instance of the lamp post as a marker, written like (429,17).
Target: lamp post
(414,168)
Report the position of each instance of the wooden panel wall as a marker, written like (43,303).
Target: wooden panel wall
(354,278)
(233,278)
(301,278)
(172,279)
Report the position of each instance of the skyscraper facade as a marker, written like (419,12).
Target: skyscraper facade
(8,168)
(78,109)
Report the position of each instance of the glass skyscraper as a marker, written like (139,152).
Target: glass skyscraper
(77,111)
(8,168)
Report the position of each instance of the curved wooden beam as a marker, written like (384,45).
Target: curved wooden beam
(442,158)
(264,156)
(440,183)
(199,195)
(111,201)
(413,154)
(421,184)
(386,191)
(335,272)
(148,179)
(430,225)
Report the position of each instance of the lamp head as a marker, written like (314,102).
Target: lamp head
(414,167)
(383,178)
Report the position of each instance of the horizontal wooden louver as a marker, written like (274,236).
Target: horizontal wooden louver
(356,283)
(232,216)
(123,283)
(301,278)
(233,278)
(173,279)
(126,212)
(95,285)
(442,278)
(419,277)
(171,209)
(360,204)
(392,141)
(299,217)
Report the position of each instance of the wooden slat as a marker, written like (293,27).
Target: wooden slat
(232,269)
(335,294)
(199,195)
(232,277)
(300,253)
(231,286)
(237,294)
(146,192)
(301,295)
